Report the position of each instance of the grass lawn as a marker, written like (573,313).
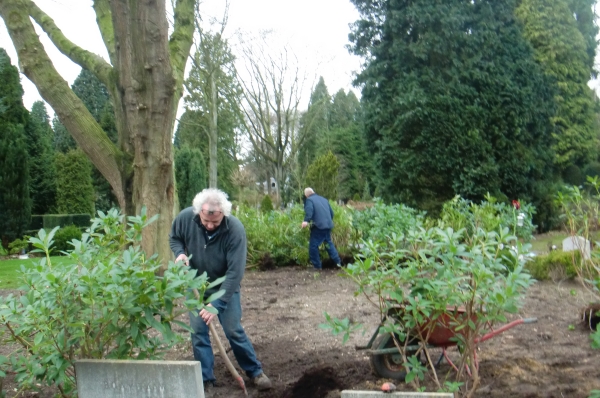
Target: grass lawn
(541,242)
(10,270)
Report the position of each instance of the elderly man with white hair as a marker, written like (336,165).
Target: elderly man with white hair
(319,215)
(216,242)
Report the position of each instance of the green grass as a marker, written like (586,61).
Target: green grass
(541,242)
(10,270)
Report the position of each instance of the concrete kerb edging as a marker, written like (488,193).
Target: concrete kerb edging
(374,394)
(105,378)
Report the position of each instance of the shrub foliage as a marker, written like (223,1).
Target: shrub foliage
(105,305)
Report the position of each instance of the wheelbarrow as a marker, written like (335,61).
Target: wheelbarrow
(386,359)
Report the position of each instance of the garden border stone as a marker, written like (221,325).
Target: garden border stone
(373,394)
(104,378)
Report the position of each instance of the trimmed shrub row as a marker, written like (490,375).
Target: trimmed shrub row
(49,221)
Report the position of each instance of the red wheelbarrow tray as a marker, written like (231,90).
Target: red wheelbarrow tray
(443,333)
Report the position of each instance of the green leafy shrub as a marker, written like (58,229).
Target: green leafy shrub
(379,222)
(18,245)
(266,204)
(49,221)
(278,234)
(572,175)
(555,262)
(490,215)
(65,235)
(439,269)
(110,303)
(592,169)
(275,233)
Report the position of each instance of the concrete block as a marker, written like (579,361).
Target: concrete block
(138,379)
(397,394)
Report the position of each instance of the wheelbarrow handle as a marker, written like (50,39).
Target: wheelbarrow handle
(503,328)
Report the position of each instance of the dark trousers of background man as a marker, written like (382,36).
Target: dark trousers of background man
(318,236)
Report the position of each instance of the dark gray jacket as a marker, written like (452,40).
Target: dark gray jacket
(318,210)
(223,255)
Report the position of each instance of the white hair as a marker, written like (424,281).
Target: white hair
(308,191)
(216,200)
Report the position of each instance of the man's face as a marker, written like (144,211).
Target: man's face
(210,217)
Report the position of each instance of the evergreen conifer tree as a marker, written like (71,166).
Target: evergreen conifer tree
(190,174)
(94,95)
(322,176)
(15,202)
(453,101)
(42,170)
(75,190)
(62,140)
(564,55)
(314,124)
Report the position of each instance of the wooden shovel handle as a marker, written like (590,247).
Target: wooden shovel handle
(217,340)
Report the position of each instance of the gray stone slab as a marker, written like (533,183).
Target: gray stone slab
(138,379)
(374,394)
(571,243)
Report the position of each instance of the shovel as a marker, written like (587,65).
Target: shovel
(232,370)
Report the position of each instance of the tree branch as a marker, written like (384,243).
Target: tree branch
(104,20)
(181,40)
(88,60)
(38,67)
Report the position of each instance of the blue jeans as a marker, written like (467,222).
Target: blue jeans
(318,236)
(242,347)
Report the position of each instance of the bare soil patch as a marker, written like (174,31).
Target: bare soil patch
(284,307)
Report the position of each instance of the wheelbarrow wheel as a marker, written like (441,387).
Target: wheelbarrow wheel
(388,366)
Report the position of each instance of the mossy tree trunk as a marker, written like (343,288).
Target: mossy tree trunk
(144,78)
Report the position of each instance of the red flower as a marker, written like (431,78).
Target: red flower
(516,204)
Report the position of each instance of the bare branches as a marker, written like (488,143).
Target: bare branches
(272,91)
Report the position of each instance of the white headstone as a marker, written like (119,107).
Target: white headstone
(577,243)
(98,378)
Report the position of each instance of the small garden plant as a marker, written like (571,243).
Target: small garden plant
(109,303)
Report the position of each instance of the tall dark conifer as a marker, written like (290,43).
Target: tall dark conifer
(349,145)
(95,97)
(42,171)
(453,100)
(189,134)
(563,43)
(15,202)
(314,125)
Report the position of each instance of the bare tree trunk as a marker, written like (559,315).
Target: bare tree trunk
(149,110)
(212,134)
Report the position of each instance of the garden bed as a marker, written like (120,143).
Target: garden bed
(284,307)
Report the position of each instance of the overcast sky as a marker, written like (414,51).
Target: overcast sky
(316,30)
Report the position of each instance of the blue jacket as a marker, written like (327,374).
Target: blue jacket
(318,210)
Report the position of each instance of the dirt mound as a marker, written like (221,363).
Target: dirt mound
(315,382)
